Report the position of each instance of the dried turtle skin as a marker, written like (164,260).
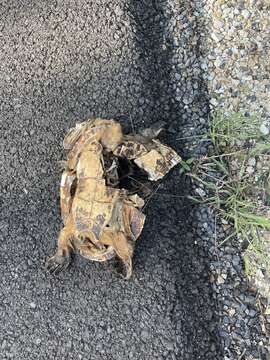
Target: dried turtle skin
(100,220)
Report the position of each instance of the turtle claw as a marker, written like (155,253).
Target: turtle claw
(126,269)
(57,263)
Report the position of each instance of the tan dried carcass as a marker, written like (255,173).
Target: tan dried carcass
(100,219)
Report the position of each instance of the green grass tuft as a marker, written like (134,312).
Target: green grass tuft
(233,184)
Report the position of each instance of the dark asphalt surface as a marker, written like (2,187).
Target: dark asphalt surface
(62,62)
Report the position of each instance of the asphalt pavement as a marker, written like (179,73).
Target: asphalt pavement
(63,62)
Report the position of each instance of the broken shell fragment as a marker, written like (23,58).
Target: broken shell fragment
(101,218)
(158,162)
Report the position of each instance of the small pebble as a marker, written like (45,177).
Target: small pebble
(33,305)
(264,129)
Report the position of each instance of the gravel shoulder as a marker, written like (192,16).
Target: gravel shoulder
(235,58)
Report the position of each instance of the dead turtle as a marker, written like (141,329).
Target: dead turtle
(102,221)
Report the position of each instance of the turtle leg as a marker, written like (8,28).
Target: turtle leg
(62,258)
(124,250)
